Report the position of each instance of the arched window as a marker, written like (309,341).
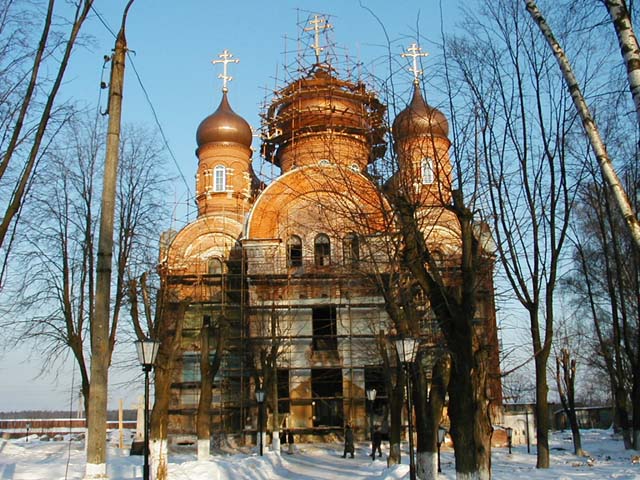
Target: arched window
(294,251)
(426,168)
(214,266)
(219,179)
(439,259)
(322,250)
(351,249)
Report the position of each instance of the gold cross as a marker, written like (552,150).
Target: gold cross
(319,23)
(225,59)
(415,51)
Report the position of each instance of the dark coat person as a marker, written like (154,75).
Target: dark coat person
(376,442)
(348,442)
(291,441)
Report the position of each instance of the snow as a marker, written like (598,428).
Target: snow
(38,459)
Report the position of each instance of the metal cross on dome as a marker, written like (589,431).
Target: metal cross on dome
(318,24)
(225,59)
(415,51)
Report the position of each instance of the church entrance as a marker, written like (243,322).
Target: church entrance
(326,389)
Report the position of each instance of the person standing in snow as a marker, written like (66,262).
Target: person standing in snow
(376,442)
(290,440)
(348,442)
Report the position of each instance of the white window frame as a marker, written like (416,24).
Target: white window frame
(426,171)
(219,179)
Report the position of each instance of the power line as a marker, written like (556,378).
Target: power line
(102,20)
(155,116)
(148,99)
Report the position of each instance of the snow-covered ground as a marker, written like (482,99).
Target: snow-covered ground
(54,460)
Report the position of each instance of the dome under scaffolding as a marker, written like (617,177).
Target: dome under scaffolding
(318,111)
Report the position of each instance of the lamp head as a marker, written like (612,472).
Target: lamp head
(147,352)
(371,394)
(407,347)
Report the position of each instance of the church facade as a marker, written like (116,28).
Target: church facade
(285,276)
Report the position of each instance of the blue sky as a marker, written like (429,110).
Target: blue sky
(173,43)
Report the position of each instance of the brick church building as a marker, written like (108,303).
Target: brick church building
(286,271)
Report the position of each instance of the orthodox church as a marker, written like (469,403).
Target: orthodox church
(283,274)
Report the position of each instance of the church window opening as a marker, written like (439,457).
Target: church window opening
(322,250)
(351,249)
(324,328)
(191,367)
(427,171)
(219,179)
(326,390)
(214,266)
(294,251)
(283,391)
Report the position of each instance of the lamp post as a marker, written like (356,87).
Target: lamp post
(28,425)
(371,396)
(407,348)
(441,434)
(509,437)
(147,351)
(260,400)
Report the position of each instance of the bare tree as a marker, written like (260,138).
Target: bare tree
(590,127)
(604,287)
(57,255)
(526,136)
(565,381)
(25,124)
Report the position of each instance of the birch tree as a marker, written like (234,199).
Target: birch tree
(591,129)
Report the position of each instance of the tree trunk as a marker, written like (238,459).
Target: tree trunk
(629,48)
(468,411)
(635,401)
(429,403)
(608,173)
(169,334)
(542,410)
(396,406)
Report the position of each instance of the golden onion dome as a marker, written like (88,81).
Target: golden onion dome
(224,125)
(419,119)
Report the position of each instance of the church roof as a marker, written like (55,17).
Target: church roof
(419,119)
(224,125)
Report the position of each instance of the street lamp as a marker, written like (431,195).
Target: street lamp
(28,425)
(371,396)
(441,434)
(147,351)
(407,348)
(260,400)
(509,437)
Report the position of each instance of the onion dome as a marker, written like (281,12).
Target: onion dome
(224,125)
(419,119)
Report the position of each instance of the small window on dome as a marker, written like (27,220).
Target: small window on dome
(355,167)
(324,162)
(219,179)
(426,168)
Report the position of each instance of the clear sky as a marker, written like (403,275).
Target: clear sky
(173,44)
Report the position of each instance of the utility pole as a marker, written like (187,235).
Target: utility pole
(100,350)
